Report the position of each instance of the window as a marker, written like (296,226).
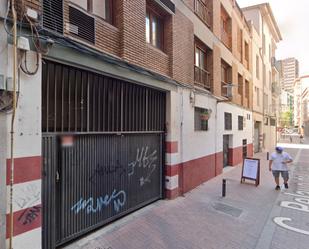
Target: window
(240,85)
(226,28)
(247,52)
(154,29)
(257,67)
(227,121)
(201,74)
(240,123)
(247,85)
(239,42)
(201,117)
(226,71)
(203,11)
(100,8)
(200,58)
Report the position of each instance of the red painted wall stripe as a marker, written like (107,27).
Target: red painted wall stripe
(25,169)
(171,147)
(25,220)
(171,170)
(171,194)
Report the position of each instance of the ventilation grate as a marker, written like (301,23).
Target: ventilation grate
(53,15)
(81,25)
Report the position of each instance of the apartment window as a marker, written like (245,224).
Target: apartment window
(100,8)
(247,52)
(154,29)
(203,11)
(257,67)
(247,89)
(227,121)
(269,50)
(240,84)
(201,75)
(201,117)
(257,96)
(272,122)
(226,28)
(226,71)
(240,123)
(239,42)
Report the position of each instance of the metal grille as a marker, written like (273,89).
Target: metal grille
(76,100)
(82,24)
(53,15)
(96,180)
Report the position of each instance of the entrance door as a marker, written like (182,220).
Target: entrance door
(225,150)
(102,150)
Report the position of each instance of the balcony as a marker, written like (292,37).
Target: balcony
(226,38)
(201,77)
(203,12)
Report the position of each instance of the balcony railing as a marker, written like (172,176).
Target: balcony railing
(202,12)
(226,38)
(201,77)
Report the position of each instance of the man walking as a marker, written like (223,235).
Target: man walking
(278,165)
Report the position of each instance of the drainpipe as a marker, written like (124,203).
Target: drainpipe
(12,121)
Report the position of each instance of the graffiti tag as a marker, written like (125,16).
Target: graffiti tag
(102,170)
(92,205)
(146,161)
(29,215)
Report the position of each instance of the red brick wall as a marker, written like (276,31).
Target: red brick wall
(183,49)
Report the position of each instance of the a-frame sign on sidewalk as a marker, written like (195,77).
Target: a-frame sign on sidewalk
(251,170)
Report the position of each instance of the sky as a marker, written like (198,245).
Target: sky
(293,21)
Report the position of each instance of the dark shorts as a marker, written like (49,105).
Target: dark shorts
(284,174)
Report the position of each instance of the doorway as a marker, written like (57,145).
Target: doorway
(226,139)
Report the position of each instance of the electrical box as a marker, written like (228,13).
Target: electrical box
(23,43)
(2,82)
(32,14)
(9,84)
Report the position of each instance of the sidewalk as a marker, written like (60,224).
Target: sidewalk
(204,220)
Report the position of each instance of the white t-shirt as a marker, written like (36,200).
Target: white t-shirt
(278,161)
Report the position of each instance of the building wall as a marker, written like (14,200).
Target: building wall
(27,159)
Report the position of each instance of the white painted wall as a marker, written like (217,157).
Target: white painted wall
(238,135)
(28,113)
(197,144)
(3,131)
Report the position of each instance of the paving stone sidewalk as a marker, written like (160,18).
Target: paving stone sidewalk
(202,219)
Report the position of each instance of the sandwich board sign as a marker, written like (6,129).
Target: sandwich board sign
(251,170)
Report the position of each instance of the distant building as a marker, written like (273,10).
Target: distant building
(289,73)
(265,75)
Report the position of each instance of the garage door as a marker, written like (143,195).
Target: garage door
(102,148)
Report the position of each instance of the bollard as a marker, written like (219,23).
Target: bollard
(223,187)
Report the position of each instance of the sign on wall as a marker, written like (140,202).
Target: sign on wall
(251,170)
